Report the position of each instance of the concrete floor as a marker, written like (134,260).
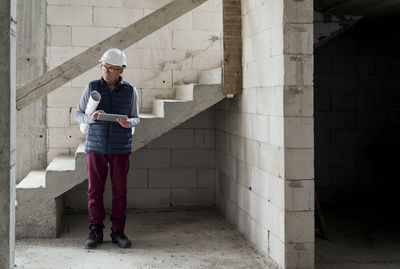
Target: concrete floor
(359,238)
(161,239)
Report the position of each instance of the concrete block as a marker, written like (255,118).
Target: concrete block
(228,187)
(267,72)
(277,250)
(278,40)
(149,198)
(228,165)
(205,178)
(64,137)
(245,175)
(299,255)
(204,119)
(298,38)
(192,197)
(298,70)
(211,76)
(269,100)
(335,120)
(196,40)
(299,227)
(204,138)
(59,2)
(58,117)
(89,36)
(59,35)
(322,101)
(185,22)
(161,39)
(248,101)
(64,97)
(366,65)
(181,77)
(85,78)
(257,47)
(54,152)
(96,3)
(251,152)
(121,17)
(151,158)
(258,180)
(236,146)
(322,139)
(259,237)
(299,101)
(298,11)
(157,79)
(69,15)
(211,5)
(137,178)
(206,60)
(155,4)
(299,164)
(272,159)
(271,217)
(299,195)
(172,178)
(344,64)
(322,64)
(344,102)
(176,138)
(299,132)
(249,202)
(196,158)
(207,20)
(243,222)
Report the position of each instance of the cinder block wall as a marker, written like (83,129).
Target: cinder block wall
(264,137)
(172,55)
(356,141)
(177,169)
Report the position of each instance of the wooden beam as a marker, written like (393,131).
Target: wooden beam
(81,63)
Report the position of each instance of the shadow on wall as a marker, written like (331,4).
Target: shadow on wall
(357,115)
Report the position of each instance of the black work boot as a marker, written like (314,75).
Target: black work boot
(121,239)
(95,236)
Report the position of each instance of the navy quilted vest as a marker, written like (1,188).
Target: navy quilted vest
(106,137)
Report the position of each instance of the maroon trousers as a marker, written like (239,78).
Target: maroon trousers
(97,171)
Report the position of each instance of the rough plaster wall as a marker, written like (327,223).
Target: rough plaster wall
(177,169)
(31,62)
(264,137)
(172,55)
(8,32)
(356,128)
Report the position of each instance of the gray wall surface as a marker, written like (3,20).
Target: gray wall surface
(31,62)
(7,132)
(357,127)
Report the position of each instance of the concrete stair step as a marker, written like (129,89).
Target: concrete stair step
(35,179)
(62,163)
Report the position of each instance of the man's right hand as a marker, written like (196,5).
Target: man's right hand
(96,114)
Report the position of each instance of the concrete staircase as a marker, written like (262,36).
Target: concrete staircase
(39,195)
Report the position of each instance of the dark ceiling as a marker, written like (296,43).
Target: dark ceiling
(365,8)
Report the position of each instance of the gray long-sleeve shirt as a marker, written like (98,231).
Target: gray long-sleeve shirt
(81,117)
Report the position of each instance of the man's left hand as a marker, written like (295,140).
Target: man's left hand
(124,122)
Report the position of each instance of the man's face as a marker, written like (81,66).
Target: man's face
(111,73)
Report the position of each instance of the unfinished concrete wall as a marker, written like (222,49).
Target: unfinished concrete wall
(264,138)
(172,55)
(31,62)
(356,110)
(176,169)
(8,33)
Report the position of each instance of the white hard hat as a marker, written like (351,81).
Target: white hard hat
(114,57)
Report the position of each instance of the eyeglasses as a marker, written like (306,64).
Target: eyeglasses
(109,69)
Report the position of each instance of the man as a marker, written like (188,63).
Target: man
(109,144)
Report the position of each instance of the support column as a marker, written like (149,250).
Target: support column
(8,29)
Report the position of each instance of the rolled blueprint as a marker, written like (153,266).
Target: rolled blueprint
(91,107)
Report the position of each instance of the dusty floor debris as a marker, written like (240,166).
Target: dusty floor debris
(161,239)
